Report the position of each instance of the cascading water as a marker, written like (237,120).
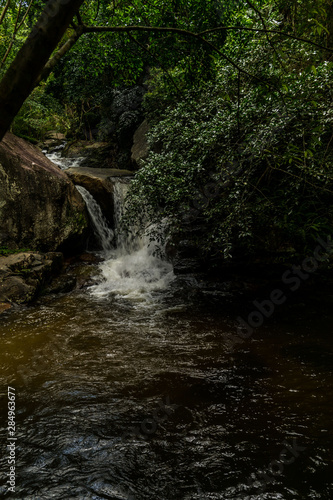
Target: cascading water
(135,398)
(103,232)
(62,162)
(132,269)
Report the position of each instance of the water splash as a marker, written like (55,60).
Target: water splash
(132,270)
(62,162)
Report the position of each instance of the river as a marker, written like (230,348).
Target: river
(131,388)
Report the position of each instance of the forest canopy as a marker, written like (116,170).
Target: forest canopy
(239,102)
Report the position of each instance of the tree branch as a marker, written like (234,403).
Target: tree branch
(261,30)
(49,66)
(266,33)
(19,79)
(179,31)
(16,29)
(3,13)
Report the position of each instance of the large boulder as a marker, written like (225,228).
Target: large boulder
(40,207)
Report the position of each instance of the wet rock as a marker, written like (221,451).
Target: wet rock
(23,275)
(98,181)
(61,284)
(56,136)
(122,115)
(140,147)
(39,205)
(4,307)
(14,289)
(52,141)
(92,154)
(89,258)
(83,273)
(186,258)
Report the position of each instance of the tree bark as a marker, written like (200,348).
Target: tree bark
(21,77)
(51,63)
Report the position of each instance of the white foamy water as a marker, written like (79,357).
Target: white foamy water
(103,232)
(132,270)
(63,163)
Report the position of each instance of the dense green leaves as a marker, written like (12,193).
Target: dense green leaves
(250,162)
(241,118)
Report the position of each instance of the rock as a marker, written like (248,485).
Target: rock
(140,146)
(61,284)
(84,273)
(39,206)
(52,141)
(4,307)
(92,154)
(14,289)
(89,258)
(23,275)
(98,181)
(185,256)
(55,136)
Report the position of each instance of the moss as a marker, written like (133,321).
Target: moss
(32,140)
(77,221)
(25,271)
(4,251)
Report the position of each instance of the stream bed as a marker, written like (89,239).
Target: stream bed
(133,388)
(121,397)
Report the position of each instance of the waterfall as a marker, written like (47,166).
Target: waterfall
(103,232)
(62,162)
(132,270)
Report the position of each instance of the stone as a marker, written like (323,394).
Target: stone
(14,289)
(61,284)
(98,181)
(52,141)
(4,307)
(52,134)
(140,146)
(23,275)
(92,154)
(39,205)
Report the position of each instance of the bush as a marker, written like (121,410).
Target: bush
(40,114)
(249,161)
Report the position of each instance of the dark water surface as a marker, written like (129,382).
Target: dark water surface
(122,399)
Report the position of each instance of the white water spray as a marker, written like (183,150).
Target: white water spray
(132,271)
(62,162)
(103,232)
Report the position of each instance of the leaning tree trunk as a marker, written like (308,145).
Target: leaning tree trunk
(19,81)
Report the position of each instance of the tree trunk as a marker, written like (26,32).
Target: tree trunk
(20,78)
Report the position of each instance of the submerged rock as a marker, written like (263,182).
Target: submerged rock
(61,284)
(53,140)
(39,205)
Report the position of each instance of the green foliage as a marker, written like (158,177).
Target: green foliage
(241,137)
(41,113)
(4,251)
(249,162)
